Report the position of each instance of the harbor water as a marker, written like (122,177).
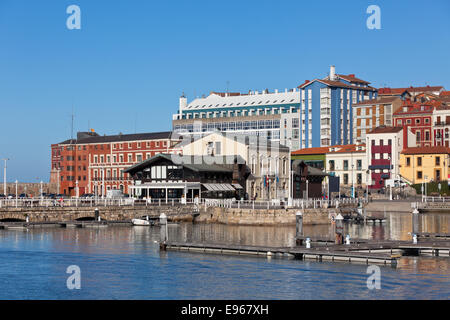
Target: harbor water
(125,263)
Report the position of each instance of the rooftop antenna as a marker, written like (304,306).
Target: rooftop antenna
(228,84)
(71,128)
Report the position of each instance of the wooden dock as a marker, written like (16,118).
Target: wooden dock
(366,252)
(66,224)
(302,253)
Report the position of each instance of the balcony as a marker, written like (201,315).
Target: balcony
(441,123)
(382,149)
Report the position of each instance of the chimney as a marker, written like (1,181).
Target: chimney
(332,73)
(183,102)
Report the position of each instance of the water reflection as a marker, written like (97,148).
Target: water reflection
(125,263)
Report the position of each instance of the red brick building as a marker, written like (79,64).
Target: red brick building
(418,118)
(95,163)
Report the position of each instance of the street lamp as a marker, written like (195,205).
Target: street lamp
(390,177)
(4,176)
(16,192)
(353,182)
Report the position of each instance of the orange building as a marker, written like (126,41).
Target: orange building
(373,113)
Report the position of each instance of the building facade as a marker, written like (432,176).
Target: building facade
(94,164)
(317,113)
(420,164)
(273,115)
(441,126)
(267,160)
(383,148)
(164,177)
(418,118)
(349,163)
(327,113)
(373,113)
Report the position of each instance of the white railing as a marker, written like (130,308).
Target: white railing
(435,199)
(223,203)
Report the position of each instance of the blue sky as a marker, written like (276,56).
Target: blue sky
(126,68)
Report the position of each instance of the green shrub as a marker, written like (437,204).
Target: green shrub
(432,187)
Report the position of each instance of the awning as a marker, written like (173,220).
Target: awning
(218,187)
(237,186)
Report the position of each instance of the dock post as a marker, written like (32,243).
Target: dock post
(308,243)
(299,228)
(339,229)
(415,222)
(347,239)
(97,214)
(163,231)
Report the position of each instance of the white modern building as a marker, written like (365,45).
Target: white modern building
(273,115)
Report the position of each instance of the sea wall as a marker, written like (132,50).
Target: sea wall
(260,217)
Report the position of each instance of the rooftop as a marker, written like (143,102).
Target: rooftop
(390,91)
(88,139)
(379,100)
(214,164)
(218,100)
(427,150)
(384,129)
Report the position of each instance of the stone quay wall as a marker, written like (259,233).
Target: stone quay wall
(63,214)
(188,213)
(262,217)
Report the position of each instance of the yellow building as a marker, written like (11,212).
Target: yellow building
(425,164)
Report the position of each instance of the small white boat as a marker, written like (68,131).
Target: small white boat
(140,222)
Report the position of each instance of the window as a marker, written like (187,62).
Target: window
(408,161)
(438,161)
(390,142)
(130,158)
(139,158)
(345,164)
(419,174)
(419,161)
(331,162)
(417,121)
(359,178)
(218,150)
(358,164)
(345,178)
(418,136)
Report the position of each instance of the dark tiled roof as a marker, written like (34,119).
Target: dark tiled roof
(121,138)
(213,164)
(338,84)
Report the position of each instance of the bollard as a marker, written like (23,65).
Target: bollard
(339,228)
(308,243)
(415,221)
(299,228)
(163,224)
(347,239)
